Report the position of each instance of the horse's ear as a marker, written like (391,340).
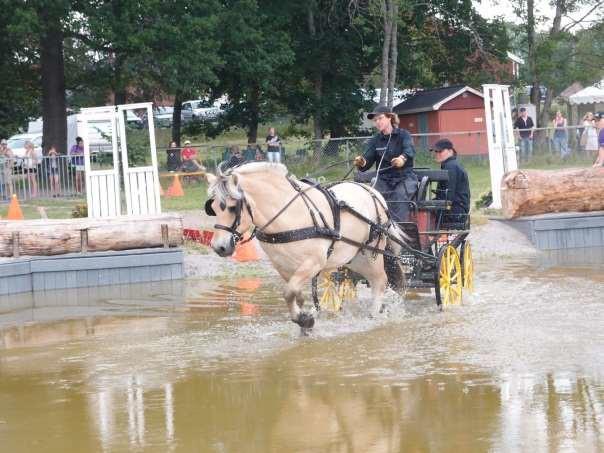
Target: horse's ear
(210,178)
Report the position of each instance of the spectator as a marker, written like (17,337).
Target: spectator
(76,154)
(526,127)
(259,154)
(31,167)
(52,169)
(189,161)
(6,169)
(599,122)
(560,135)
(173,161)
(236,157)
(589,138)
(273,143)
(250,152)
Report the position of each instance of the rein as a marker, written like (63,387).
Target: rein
(377,229)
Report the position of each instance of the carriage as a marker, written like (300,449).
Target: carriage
(438,255)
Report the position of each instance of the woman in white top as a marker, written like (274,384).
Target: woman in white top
(589,139)
(31,165)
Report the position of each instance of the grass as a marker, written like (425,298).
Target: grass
(195,197)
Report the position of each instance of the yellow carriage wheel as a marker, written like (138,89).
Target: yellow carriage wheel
(467,266)
(331,289)
(449,278)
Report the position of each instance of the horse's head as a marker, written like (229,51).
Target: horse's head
(227,202)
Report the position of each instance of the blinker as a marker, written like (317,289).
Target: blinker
(208,208)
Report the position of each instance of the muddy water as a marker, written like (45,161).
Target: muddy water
(215,367)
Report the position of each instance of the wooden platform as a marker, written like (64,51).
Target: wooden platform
(79,270)
(565,230)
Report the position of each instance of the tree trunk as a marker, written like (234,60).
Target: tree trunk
(393,54)
(386,13)
(532,57)
(555,30)
(317,85)
(54,107)
(254,115)
(55,237)
(532,192)
(176,123)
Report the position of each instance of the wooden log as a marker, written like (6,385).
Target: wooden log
(532,192)
(55,237)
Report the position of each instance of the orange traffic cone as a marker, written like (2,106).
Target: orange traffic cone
(248,309)
(249,284)
(245,252)
(14,210)
(175,190)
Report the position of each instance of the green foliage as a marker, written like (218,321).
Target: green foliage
(20,87)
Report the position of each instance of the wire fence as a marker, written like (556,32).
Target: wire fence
(539,148)
(63,176)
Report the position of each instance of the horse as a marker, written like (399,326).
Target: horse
(302,227)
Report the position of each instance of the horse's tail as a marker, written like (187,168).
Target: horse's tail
(392,266)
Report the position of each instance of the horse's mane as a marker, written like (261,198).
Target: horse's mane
(224,187)
(258,167)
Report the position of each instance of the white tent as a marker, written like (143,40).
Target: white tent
(589,95)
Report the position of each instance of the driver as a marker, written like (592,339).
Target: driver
(457,188)
(391,149)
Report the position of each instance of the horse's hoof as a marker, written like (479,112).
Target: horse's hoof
(305,320)
(304,332)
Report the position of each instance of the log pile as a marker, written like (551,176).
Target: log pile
(54,237)
(532,192)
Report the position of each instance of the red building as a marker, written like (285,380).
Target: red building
(455,112)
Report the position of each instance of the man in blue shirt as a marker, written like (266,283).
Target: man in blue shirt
(391,149)
(457,188)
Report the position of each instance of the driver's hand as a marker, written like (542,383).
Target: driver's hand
(359,161)
(398,161)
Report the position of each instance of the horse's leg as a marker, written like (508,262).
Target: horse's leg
(373,270)
(293,292)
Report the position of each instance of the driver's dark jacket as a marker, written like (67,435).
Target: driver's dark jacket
(457,189)
(400,143)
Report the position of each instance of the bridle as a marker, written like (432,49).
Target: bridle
(233,229)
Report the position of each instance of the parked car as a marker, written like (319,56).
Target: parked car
(163,116)
(201,109)
(134,120)
(16,143)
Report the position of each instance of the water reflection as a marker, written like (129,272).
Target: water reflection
(194,369)
(263,412)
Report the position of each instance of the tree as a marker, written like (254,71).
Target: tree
(41,23)
(182,57)
(550,52)
(257,53)
(20,88)
(334,53)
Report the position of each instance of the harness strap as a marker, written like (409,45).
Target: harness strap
(297,235)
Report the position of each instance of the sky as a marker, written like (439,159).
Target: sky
(496,8)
